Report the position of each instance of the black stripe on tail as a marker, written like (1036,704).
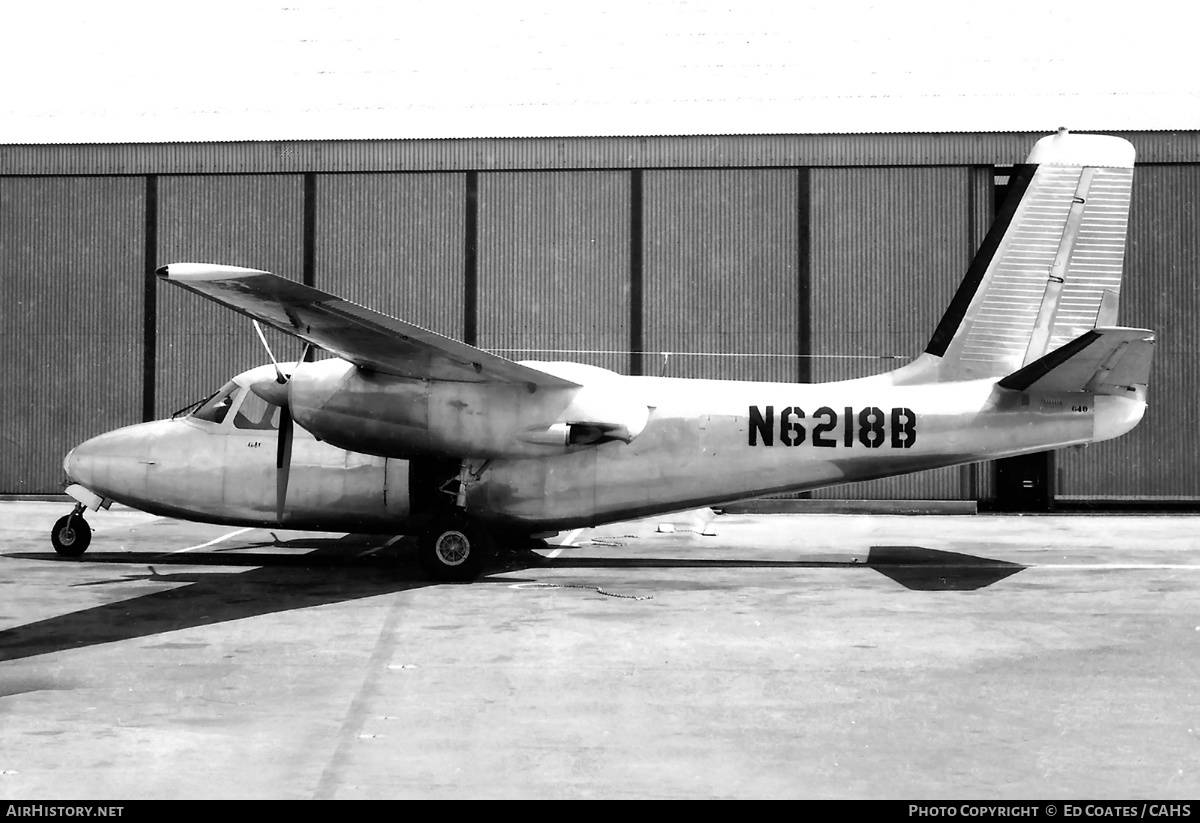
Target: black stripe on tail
(952,319)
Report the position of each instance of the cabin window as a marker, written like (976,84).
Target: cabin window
(217,406)
(256,413)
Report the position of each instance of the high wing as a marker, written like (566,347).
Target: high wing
(364,337)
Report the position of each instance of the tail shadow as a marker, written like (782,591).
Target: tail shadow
(934,570)
(915,567)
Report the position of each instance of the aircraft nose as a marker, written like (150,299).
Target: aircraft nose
(106,459)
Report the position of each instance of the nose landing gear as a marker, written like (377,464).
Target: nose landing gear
(71,534)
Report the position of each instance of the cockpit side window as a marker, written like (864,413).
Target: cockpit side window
(256,413)
(217,406)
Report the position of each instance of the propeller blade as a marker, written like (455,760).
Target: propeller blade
(283,452)
(283,461)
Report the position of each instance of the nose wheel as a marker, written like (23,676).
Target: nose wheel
(71,534)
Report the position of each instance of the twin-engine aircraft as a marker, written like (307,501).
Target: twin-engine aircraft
(405,431)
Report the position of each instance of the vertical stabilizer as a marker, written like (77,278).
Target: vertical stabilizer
(1050,268)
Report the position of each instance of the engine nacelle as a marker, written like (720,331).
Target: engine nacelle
(396,417)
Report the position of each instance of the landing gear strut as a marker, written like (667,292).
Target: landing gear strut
(454,549)
(71,535)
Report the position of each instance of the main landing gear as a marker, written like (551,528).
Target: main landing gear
(454,549)
(71,535)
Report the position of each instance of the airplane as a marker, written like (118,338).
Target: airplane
(405,431)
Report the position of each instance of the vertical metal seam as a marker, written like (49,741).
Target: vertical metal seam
(308,266)
(636,336)
(470,260)
(149,299)
(804,282)
(309,273)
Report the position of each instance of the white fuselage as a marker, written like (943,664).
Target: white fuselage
(705,442)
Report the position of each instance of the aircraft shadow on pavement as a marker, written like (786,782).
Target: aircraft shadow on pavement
(914,567)
(309,572)
(934,570)
(327,570)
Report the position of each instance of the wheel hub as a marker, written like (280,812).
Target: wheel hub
(452,548)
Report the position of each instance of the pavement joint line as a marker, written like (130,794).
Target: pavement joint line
(1116,566)
(212,542)
(569,540)
(354,722)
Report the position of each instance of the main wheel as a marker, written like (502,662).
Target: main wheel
(454,550)
(71,535)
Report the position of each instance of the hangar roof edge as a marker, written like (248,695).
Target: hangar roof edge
(558,153)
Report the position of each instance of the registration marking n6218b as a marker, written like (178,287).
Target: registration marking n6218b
(870,427)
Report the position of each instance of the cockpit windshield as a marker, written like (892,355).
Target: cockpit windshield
(216,407)
(252,412)
(256,413)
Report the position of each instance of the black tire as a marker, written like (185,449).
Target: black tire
(71,535)
(454,550)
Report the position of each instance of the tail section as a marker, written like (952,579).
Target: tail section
(1107,369)
(1050,268)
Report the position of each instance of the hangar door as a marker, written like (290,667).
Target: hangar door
(71,299)
(889,248)
(1160,459)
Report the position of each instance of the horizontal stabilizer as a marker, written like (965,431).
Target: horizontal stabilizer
(1112,360)
(366,338)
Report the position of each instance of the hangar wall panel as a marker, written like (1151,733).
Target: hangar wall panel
(554,265)
(720,257)
(71,287)
(394,243)
(249,220)
(1161,457)
(889,248)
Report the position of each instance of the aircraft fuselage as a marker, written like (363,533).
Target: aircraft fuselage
(706,442)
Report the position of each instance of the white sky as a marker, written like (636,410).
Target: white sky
(314,69)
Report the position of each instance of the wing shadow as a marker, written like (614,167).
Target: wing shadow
(335,570)
(330,570)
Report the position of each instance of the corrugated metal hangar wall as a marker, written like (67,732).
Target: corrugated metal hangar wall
(776,257)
